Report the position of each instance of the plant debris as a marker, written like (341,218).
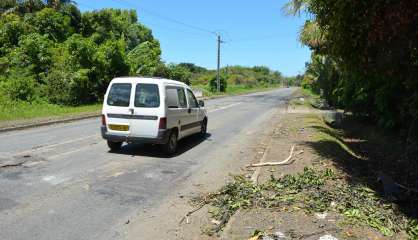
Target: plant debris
(315,191)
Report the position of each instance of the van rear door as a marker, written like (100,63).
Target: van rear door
(147,109)
(117,108)
(193,123)
(177,112)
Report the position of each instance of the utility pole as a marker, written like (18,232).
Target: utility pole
(218,77)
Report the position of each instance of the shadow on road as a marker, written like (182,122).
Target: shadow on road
(153,150)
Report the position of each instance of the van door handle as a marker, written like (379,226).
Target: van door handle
(131,110)
(189,110)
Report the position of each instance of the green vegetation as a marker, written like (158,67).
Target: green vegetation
(238,75)
(364,58)
(314,191)
(56,54)
(25,110)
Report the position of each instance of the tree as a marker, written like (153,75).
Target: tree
(370,49)
(193,68)
(69,57)
(57,4)
(144,58)
(295,7)
(111,57)
(53,24)
(33,53)
(179,73)
(12,27)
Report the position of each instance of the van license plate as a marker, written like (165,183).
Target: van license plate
(116,127)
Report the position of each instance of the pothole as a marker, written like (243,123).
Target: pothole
(20,161)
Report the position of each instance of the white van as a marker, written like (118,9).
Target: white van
(151,110)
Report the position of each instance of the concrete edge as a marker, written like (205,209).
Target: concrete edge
(48,122)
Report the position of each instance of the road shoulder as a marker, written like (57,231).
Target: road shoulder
(312,196)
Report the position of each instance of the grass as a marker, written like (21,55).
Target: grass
(24,110)
(306,98)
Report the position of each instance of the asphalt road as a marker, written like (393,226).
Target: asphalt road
(61,182)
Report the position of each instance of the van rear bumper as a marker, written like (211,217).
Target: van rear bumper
(162,137)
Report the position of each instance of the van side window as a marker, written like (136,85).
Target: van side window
(182,98)
(171,97)
(119,95)
(147,95)
(192,100)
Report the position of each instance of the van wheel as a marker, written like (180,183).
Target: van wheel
(171,146)
(204,128)
(114,146)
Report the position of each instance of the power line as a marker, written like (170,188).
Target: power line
(169,19)
(174,29)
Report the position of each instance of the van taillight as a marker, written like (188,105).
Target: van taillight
(163,123)
(103,120)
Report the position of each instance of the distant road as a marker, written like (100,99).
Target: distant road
(66,185)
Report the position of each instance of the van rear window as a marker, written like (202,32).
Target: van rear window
(119,95)
(147,95)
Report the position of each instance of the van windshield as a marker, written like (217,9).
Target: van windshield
(119,95)
(147,95)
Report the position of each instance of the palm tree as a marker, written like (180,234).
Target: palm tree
(312,35)
(295,7)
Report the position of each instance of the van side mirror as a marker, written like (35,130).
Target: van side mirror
(201,103)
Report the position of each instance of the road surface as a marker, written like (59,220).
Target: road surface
(61,182)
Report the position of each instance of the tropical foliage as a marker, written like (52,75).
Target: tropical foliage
(364,57)
(51,51)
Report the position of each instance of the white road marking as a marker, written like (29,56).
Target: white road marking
(55,180)
(224,107)
(52,156)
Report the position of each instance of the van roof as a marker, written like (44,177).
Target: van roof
(147,80)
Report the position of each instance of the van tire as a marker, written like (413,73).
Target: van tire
(204,128)
(171,146)
(114,146)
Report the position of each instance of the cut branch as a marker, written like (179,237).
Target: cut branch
(284,162)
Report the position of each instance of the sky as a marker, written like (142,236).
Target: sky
(255,33)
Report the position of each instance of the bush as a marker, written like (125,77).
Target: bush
(19,86)
(57,87)
(214,86)
(69,88)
